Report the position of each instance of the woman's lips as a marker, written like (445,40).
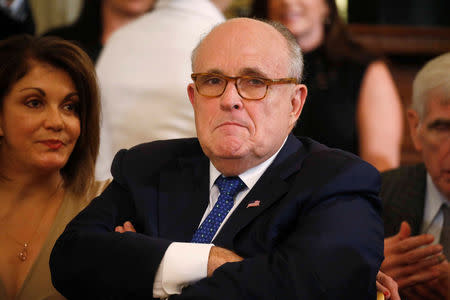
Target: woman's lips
(53,144)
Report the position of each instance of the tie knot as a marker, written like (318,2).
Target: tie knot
(229,186)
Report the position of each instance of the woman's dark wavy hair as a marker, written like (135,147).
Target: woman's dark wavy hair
(338,45)
(19,54)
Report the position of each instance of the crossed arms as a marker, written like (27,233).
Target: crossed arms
(322,239)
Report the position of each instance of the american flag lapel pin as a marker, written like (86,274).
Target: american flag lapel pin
(253,204)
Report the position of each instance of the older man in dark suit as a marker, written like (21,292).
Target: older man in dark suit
(246,211)
(416,198)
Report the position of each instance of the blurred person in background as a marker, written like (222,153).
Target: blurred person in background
(416,198)
(352,102)
(15,18)
(98,20)
(143,72)
(49,137)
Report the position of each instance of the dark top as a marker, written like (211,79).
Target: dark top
(86,31)
(329,114)
(403,195)
(10,25)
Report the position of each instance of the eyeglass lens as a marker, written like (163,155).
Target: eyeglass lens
(248,88)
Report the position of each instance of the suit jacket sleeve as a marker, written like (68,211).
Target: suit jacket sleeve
(333,249)
(90,260)
(320,238)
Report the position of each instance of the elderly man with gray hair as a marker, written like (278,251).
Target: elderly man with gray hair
(416,198)
(246,210)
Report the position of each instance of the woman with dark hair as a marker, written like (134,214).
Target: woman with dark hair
(352,100)
(49,139)
(98,20)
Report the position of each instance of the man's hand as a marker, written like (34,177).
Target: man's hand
(219,256)
(127,227)
(434,289)
(410,260)
(387,286)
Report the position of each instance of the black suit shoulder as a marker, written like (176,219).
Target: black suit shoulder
(404,175)
(403,197)
(397,182)
(327,172)
(332,162)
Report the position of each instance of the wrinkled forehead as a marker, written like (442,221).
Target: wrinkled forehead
(437,100)
(244,44)
(437,104)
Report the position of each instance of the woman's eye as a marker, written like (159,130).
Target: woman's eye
(33,103)
(71,107)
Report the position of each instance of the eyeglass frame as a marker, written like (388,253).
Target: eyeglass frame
(268,82)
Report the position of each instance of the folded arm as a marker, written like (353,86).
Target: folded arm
(90,258)
(331,253)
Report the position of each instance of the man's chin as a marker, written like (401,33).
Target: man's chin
(228,153)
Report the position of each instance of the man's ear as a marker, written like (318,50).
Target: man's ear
(298,101)
(191,93)
(414,130)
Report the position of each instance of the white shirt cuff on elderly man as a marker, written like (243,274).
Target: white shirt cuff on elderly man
(181,265)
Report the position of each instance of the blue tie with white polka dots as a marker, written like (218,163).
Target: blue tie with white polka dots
(228,187)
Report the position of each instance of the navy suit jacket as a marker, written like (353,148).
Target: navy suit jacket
(317,233)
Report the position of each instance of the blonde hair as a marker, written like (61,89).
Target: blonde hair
(433,77)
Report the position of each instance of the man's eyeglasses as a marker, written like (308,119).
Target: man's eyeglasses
(248,87)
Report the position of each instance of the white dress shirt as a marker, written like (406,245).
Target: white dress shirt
(186,263)
(433,217)
(143,72)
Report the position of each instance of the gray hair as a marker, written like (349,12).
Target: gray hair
(295,53)
(433,77)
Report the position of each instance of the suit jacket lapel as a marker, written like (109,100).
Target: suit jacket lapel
(412,200)
(183,198)
(269,188)
(405,198)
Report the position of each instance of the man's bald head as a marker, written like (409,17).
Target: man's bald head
(292,48)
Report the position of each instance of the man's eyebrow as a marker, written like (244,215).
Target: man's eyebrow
(215,71)
(438,123)
(41,91)
(253,72)
(246,71)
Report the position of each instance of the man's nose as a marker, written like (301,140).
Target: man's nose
(230,98)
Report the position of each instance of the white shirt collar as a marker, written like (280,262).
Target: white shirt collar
(249,177)
(433,202)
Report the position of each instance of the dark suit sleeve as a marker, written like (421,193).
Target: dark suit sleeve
(333,251)
(91,261)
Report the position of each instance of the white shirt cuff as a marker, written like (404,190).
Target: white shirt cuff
(181,265)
